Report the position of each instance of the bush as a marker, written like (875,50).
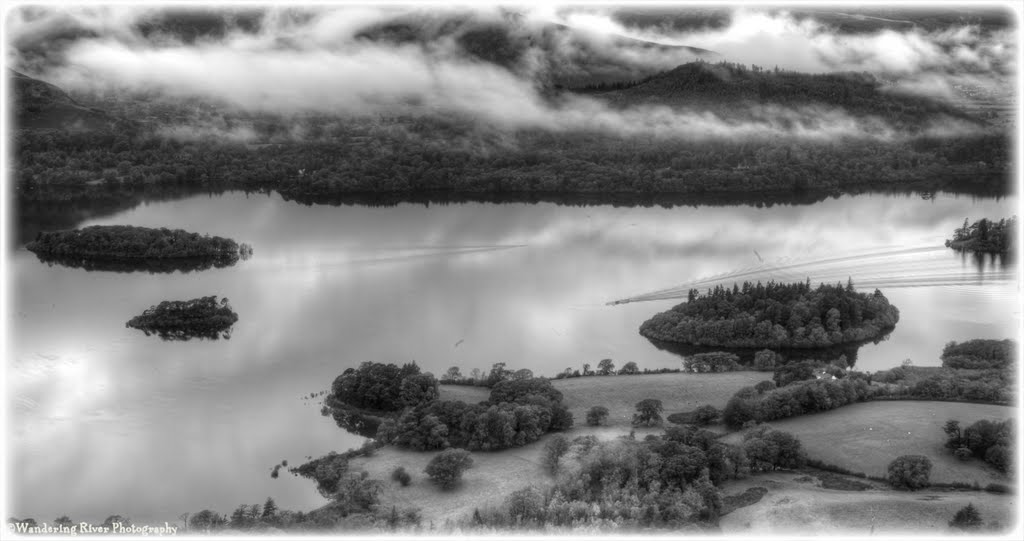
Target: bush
(962,453)
(446,467)
(764,386)
(967,518)
(910,471)
(596,415)
(705,415)
(401,476)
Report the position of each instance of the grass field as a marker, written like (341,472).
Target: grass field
(802,508)
(493,477)
(677,392)
(866,437)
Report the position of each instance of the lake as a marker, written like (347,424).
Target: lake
(106,420)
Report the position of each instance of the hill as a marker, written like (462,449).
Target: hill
(41,105)
(720,87)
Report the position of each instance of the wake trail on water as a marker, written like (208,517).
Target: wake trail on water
(891,267)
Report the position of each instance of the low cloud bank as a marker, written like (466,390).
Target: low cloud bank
(319,61)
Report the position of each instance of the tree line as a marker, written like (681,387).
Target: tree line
(410,156)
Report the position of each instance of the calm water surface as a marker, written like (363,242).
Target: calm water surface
(106,420)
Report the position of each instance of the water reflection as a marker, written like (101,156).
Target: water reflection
(333,286)
(152,266)
(848,351)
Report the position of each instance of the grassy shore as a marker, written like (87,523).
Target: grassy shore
(865,437)
(796,504)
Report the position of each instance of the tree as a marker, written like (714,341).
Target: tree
(205,521)
(910,471)
(523,373)
(952,430)
(399,474)
(62,520)
(417,389)
(498,373)
(554,449)
(446,467)
(605,367)
(648,412)
(239,517)
(116,519)
(453,374)
(967,518)
(765,360)
(596,415)
(1000,457)
(269,509)
(586,369)
(475,375)
(629,368)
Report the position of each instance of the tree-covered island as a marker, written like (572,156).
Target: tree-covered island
(985,236)
(124,247)
(204,317)
(775,315)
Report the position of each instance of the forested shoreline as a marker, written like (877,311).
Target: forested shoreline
(66,165)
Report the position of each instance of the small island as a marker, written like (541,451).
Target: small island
(127,248)
(775,315)
(204,317)
(985,236)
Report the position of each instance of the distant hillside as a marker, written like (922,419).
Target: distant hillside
(568,59)
(721,87)
(40,105)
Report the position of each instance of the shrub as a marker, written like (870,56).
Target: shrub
(596,415)
(962,453)
(402,476)
(967,518)
(910,471)
(705,415)
(446,467)
(764,386)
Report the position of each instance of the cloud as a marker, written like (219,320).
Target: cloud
(302,61)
